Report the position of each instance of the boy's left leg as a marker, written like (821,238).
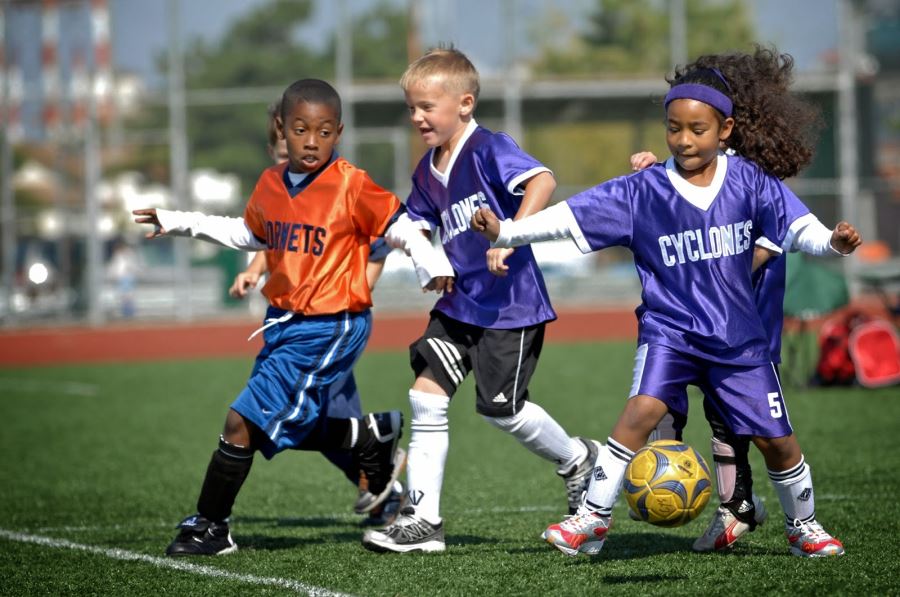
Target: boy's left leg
(344,403)
(207,532)
(503,363)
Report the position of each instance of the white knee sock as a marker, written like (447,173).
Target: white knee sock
(606,480)
(794,488)
(540,433)
(428,444)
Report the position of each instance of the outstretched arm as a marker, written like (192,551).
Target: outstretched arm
(538,190)
(815,239)
(230,232)
(553,223)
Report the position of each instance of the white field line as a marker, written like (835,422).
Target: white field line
(172,564)
(41,386)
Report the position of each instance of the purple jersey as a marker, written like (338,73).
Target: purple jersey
(693,249)
(768,289)
(485,169)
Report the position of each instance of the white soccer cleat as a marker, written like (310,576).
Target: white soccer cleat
(810,540)
(584,532)
(725,528)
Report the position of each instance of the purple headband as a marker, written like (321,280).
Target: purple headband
(701,93)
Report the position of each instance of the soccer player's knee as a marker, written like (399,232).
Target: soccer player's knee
(514,422)
(429,411)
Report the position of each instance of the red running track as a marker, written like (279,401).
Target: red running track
(125,342)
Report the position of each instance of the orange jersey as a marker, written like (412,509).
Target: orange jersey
(317,243)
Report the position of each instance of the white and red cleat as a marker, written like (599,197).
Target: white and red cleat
(584,532)
(810,540)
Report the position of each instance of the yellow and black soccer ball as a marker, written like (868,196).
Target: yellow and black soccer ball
(667,483)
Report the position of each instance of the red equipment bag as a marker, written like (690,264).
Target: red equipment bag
(875,351)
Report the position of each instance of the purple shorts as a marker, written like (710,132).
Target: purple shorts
(748,399)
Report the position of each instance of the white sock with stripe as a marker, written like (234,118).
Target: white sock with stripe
(428,445)
(606,480)
(541,434)
(794,488)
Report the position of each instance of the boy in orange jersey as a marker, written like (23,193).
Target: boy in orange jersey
(313,217)
(344,399)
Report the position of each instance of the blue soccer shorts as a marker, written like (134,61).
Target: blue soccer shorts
(747,398)
(304,361)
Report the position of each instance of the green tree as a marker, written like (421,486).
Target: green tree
(631,38)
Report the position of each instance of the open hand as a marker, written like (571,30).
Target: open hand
(440,284)
(148,216)
(243,282)
(641,160)
(496,261)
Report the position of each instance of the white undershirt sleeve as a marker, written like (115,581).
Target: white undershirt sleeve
(223,230)
(553,223)
(428,261)
(808,235)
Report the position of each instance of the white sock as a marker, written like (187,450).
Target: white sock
(541,434)
(794,488)
(428,444)
(606,480)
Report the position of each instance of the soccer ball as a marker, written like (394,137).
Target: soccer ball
(667,483)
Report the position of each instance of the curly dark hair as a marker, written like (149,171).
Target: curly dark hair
(772,126)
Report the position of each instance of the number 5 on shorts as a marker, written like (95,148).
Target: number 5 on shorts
(774,405)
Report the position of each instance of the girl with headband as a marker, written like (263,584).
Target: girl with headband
(692,223)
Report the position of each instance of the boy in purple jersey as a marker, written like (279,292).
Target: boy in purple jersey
(691,224)
(492,326)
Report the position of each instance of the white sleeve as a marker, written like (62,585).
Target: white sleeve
(429,262)
(555,222)
(223,230)
(808,235)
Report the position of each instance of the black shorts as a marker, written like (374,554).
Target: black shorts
(503,361)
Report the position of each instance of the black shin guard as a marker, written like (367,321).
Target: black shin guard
(225,474)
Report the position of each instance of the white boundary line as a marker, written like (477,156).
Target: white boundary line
(173,564)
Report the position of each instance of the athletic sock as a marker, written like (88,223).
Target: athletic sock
(227,470)
(428,445)
(606,480)
(794,488)
(541,434)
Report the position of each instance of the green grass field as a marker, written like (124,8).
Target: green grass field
(100,462)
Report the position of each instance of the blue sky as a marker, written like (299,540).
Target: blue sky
(804,28)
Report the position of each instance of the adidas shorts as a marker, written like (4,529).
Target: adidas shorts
(502,360)
(747,398)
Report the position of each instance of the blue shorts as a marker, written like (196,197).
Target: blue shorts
(304,360)
(747,398)
(343,401)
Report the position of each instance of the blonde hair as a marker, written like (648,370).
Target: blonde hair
(458,73)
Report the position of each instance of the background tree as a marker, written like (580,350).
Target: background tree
(631,38)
